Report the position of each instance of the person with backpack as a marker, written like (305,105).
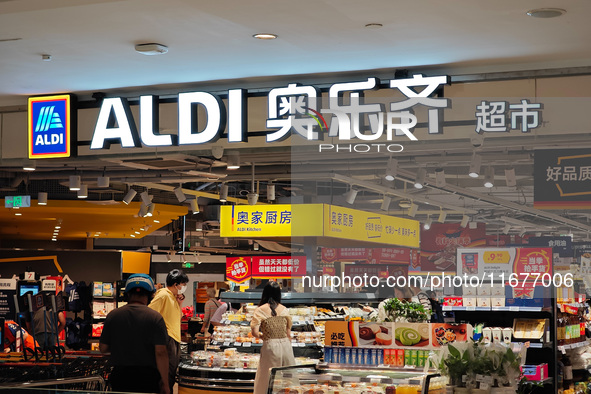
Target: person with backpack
(166,303)
(135,335)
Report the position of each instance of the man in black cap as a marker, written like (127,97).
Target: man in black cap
(136,337)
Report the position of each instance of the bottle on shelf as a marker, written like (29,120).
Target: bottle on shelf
(560,330)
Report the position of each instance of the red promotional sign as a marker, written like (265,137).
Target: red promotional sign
(352,270)
(533,261)
(328,271)
(440,242)
(329,254)
(238,269)
(278,266)
(391,256)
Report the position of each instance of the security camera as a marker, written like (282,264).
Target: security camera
(477,140)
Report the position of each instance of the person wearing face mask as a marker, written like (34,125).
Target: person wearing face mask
(165,302)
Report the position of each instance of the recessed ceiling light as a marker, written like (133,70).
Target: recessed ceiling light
(151,48)
(374,25)
(132,235)
(18,214)
(265,36)
(546,12)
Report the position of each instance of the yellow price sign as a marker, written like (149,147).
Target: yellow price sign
(497,257)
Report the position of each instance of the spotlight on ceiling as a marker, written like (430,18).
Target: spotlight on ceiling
(146,198)
(351,195)
(83,192)
(103,182)
(412,211)
(75,182)
(42,198)
(29,165)
(442,217)
(194,206)
(143,210)
(224,192)
(489,177)
(420,179)
(217,152)
(405,204)
(506,229)
(252,198)
(180,196)
(233,160)
(475,164)
(151,209)
(129,196)
(464,221)
(391,169)
(265,36)
(386,203)
(151,49)
(427,224)
(270,192)
(546,12)
(439,177)
(510,177)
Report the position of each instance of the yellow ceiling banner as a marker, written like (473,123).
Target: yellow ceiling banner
(317,220)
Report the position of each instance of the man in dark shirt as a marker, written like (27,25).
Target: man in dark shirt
(136,337)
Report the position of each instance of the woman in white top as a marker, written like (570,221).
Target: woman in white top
(271,322)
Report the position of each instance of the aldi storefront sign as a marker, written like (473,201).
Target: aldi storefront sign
(562,179)
(50,126)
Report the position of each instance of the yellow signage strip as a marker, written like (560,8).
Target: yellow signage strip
(17,259)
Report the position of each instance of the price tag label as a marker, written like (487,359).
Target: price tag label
(446,308)
(484,386)
(29,276)
(301,344)
(470,308)
(514,308)
(226,344)
(216,369)
(214,343)
(237,344)
(247,344)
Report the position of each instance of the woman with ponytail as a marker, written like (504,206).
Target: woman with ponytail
(271,322)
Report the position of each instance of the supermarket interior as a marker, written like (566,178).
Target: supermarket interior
(423,204)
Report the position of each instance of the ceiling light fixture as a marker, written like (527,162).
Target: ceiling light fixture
(252,198)
(489,177)
(265,36)
(405,204)
(412,211)
(146,198)
(18,214)
(132,235)
(374,25)
(442,217)
(103,182)
(233,160)
(143,210)
(178,192)
(83,192)
(546,12)
(464,221)
(42,198)
(420,179)
(151,48)
(156,221)
(217,152)
(510,178)
(29,165)
(129,196)
(427,224)
(475,164)
(507,228)
(386,203)
(439,177)
(270,191)
(194,206)
(224,192)
(391,169)
(75,182)
(351,195)
(150,212)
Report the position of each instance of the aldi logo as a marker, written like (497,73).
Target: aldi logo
(50,126)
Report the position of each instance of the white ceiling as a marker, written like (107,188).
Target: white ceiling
(91,42)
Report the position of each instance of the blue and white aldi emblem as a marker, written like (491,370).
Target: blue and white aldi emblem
(50,123)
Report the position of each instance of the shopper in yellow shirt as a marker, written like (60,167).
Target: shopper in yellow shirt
(165,302)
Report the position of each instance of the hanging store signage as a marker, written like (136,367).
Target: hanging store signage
(17,201)
(303,220)
(51,121)
(440,242)
(238,269)
(563,246)
(371,255)
(294,109)
(499,264)
(562,179)
(278,266)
